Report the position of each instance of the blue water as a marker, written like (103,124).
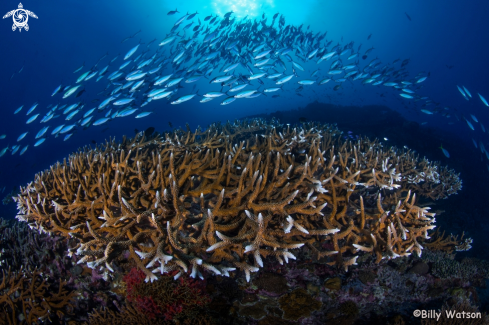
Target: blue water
(67,34)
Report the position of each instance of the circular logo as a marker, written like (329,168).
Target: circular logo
(417,313)
(20,18)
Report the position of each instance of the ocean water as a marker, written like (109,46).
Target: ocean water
(66,35)
(444,41)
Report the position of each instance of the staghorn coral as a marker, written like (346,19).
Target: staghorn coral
(20,247)
(228,197)
(129,315)
(440,242)
(29,298)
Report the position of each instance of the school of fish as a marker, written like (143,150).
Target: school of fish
(238,59)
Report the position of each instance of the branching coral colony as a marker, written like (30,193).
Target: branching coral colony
(236,195)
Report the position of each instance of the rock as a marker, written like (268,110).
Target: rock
(272,283)
(298,304)
(420,268)
(249,298)
(256,311)
(349,308)
(366,277)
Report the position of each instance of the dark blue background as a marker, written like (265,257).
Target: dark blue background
(69,33)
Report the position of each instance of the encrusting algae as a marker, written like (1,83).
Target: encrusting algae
(235,196)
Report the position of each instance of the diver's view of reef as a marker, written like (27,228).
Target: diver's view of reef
(299,203)
(250,221)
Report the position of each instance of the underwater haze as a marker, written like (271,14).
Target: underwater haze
(413,74)
(444,41)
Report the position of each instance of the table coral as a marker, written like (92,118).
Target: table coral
(235,196)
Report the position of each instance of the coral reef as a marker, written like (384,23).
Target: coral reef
(271,284)
(20,247)
(231,196)
(458,272)
(128,315)
(318,228)
(131,315)
(28,298)
(166,298)
(449,243)
(35,256)
(32,290)
(298,304)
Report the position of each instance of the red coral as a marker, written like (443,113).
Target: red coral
(197,288)
(172,310)
(165,297)
(134,278)
(148,307)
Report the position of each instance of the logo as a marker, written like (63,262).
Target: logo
(20,17)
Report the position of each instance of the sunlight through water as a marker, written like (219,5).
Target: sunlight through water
(242,8)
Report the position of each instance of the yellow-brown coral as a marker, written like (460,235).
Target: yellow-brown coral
(130,315)
(27,298)
(225,198)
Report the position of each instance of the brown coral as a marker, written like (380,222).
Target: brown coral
(28,298)
(228,197)
(333,284)
(127,316)
(298,304)
(130,315)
